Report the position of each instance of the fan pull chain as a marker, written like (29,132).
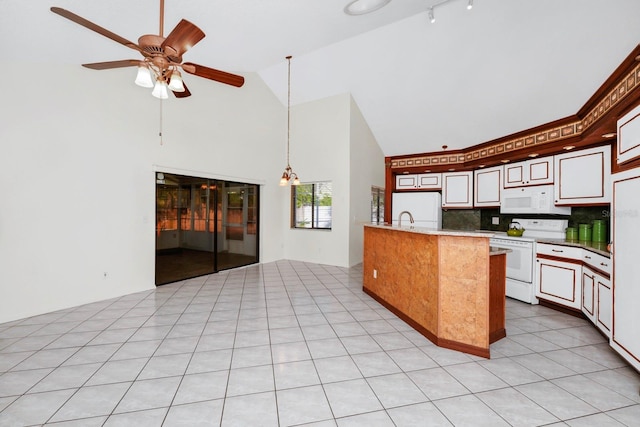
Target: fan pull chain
(160,130)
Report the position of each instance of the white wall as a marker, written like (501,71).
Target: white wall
(330,141)
(79,150)
(366,169)
(320,152)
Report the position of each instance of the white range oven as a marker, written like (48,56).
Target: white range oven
(521,259)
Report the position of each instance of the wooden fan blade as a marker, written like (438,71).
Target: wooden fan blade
(94,27)
(182,94)
(183,37)
(112,64)
(211,74)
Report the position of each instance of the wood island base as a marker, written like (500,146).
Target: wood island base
(448,286)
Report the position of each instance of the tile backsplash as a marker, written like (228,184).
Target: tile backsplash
(461,219)
(481,219)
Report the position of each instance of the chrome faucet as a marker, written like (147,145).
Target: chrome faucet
(400,217)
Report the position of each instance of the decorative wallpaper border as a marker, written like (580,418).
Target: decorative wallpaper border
(626,85)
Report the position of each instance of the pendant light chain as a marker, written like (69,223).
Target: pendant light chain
(288,108)
(289,174)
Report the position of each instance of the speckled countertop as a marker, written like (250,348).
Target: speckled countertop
(433,231)
(498,251)
(596,247)
(440,232)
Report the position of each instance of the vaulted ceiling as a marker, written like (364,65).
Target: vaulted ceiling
(470,77)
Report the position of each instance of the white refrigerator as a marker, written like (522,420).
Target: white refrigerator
(425,207)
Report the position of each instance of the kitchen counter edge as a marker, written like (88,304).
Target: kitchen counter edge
(432,231)
(590,246)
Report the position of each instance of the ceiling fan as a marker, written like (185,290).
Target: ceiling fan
(162,56)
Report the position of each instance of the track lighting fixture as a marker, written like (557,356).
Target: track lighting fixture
(432,18)
(431,9)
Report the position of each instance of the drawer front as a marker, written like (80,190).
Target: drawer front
(559,251)
(597,261)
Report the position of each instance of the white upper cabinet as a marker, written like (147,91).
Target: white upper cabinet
(457,189)
(419,181)
(530,172)
(628,146)
(487,187)
(583,177)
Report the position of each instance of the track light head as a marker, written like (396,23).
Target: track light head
(470,5)
(432,18)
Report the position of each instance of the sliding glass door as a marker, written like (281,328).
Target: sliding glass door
(203,226)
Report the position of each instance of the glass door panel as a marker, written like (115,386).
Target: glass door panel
(203,226)
(237,244)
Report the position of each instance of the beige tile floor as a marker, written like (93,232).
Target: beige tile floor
(291,343)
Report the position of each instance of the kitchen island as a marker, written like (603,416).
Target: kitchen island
(448,285)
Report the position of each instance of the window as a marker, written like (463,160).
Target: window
(377,205)
(311,205)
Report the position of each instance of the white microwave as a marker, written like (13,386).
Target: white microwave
(531,200)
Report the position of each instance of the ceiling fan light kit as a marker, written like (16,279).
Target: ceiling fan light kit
(160,89)
(175,83)
(162,56)
(143,78)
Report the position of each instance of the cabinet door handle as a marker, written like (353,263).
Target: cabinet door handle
(557,250)
(603,264)
(587,257)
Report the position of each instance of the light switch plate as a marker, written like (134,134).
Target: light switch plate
(495,220)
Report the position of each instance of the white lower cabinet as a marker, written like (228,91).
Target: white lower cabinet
(559,274)
(597,299)
(576,278)
(604,305)
(559,281)
(589,293)
(596,281)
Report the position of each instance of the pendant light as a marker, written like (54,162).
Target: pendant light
(288,173)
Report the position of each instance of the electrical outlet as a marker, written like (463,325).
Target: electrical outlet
(375,274)
(495,220)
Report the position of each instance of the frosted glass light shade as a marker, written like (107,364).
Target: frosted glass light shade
(143,78)
(176,84)
(160,90)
